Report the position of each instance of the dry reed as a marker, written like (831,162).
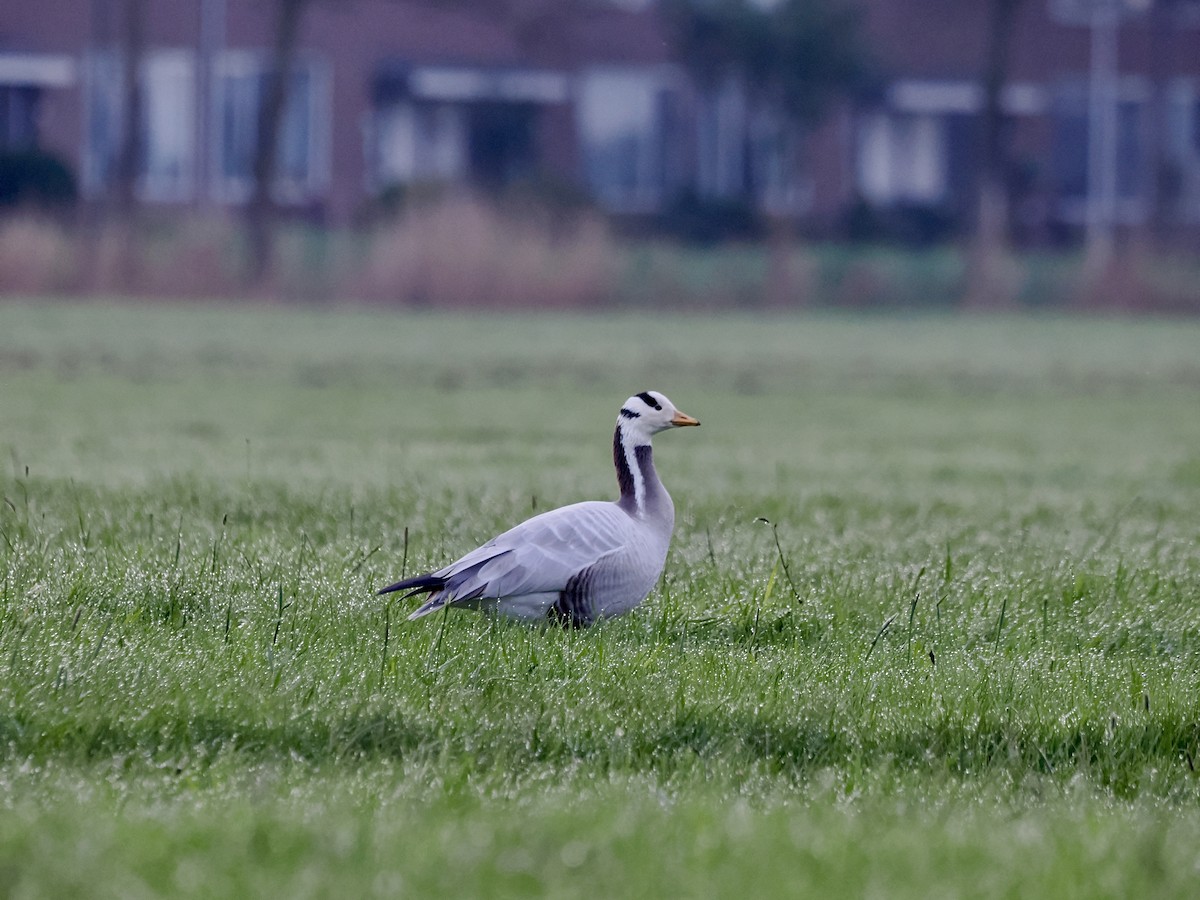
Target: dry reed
(462,252)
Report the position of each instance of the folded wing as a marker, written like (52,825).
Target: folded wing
(539,556)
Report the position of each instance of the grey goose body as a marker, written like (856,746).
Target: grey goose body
(578,563)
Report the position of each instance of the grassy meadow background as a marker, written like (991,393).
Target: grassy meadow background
(963,660)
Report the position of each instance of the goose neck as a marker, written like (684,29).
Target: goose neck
(636,477)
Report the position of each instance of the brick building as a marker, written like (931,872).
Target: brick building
(390,93)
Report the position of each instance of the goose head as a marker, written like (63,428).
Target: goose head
(650,412)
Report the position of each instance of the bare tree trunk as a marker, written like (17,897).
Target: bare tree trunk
(1121,285)
(988,285)
(260,214)
(129,153)
(780,285)
(1153,233)
(786,287)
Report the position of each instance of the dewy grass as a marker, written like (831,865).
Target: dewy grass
(200,694)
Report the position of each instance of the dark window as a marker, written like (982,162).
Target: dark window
(1130,151)
(1071,153)
(500,142)
(1072,149)
(1196,125)
(18,117)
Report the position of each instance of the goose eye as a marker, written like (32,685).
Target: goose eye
(646,398)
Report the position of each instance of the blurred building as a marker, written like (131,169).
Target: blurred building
(392,95)
(1102,98)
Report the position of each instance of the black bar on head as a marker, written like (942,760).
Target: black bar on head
(645,397)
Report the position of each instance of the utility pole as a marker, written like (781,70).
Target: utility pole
(212,41)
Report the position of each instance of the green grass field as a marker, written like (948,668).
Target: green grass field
(970,667)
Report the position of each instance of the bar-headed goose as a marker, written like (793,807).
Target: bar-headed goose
(580,562)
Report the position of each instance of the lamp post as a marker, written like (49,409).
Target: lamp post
(1103,18)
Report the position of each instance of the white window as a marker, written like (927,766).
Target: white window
(168,126)
(394,144)
(167,139)
(1183,145)
(441,141)
(302,160)
(103,74)
(902,159)
(419,142)
(622,115)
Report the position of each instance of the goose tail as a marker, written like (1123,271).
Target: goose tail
(420,584)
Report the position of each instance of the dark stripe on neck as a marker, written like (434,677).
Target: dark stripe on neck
(630,414)
(644,460)
(624,476)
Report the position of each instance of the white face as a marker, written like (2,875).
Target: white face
(651,412)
